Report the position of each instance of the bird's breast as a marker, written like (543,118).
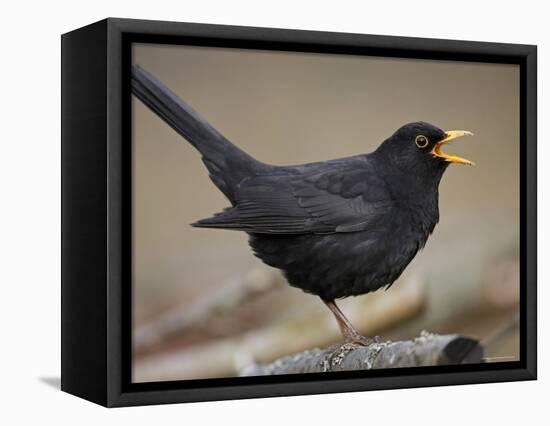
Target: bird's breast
(345,264)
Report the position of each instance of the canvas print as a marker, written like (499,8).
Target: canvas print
(310,212)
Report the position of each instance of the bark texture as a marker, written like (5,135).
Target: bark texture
(426,350)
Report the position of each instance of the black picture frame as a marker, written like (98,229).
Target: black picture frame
(96,225)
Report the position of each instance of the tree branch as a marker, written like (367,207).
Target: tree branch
(229,296)
(426,350)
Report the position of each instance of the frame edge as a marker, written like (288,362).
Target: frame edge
(83,219)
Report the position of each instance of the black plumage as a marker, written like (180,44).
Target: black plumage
(336,228)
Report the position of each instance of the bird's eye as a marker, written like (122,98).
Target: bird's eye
(421,141)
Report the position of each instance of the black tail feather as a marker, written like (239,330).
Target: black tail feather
(226,163)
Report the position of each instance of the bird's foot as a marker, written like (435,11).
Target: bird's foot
(358,339)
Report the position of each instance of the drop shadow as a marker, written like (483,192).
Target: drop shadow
(54,382)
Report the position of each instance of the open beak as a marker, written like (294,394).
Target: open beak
(449,136)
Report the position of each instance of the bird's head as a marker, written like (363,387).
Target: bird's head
(418,146)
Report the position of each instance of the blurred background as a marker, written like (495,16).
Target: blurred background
(204,306)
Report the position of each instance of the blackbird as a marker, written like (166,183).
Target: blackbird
(335,228)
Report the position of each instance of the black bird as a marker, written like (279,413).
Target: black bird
(336,228)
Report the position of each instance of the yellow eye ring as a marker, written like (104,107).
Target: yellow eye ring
(421,141)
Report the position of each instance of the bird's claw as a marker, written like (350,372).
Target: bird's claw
(361,340)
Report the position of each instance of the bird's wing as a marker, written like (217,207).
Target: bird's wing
(325,200)
(346,201)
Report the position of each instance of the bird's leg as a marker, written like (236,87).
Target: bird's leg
(351,335)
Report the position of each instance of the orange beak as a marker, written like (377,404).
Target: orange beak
(449,136)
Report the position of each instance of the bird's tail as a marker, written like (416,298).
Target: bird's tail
(226,163)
